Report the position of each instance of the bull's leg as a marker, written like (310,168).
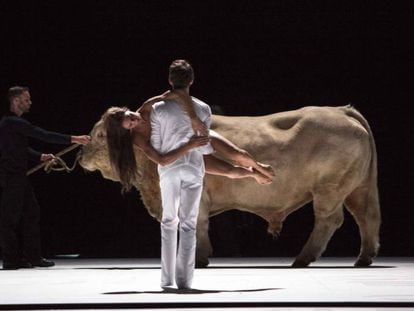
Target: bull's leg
(204,249)
(363,204)
(328,217)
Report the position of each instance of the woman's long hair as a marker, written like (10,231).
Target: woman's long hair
(120,147)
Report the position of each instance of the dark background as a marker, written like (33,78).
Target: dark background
(250,58)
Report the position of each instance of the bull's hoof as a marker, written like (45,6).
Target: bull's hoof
(363,262)
(299,264)
(202,263)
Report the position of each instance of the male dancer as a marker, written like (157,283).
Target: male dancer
(19,210)
(182,181)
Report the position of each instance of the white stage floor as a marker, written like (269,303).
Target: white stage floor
(239,283)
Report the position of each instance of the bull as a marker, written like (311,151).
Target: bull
(323,155)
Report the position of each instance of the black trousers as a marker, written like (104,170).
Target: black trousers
(19,219)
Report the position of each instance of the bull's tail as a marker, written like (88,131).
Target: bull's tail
(353,113)
(363,202)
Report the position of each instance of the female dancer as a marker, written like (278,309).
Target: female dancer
(125,128)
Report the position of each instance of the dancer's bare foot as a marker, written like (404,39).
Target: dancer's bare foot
(244,159)
(260,178)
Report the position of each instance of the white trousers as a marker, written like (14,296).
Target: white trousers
(181,189)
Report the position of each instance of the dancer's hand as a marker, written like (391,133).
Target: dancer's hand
(46,157)
(81,140)
(198,141)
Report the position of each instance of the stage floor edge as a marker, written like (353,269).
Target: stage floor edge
(240,283)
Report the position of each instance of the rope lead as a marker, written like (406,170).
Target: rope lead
(57,164)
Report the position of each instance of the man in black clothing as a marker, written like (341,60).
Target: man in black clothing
(19,210)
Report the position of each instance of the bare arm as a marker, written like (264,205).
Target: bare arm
(186,102)
(146,106)
(170,157)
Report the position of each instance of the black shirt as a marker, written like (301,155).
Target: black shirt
(14,148)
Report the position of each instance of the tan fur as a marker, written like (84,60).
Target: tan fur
(322,154)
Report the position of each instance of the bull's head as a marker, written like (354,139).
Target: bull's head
(95,156)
